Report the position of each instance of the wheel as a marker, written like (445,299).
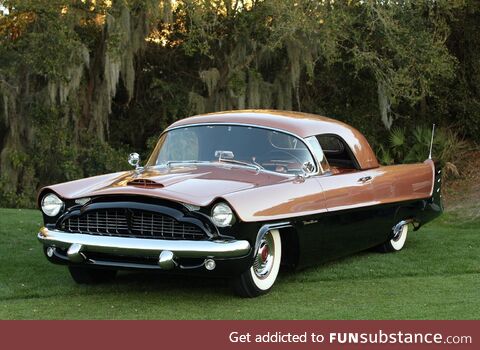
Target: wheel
(85,275)
(261,276)
(395,244)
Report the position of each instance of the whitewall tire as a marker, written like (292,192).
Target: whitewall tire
(396,244)
(261,276)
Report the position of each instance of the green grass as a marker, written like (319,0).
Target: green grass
(437,276)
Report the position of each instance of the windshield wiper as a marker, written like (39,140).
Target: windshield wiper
(234,161)
(221,160)
(170,162)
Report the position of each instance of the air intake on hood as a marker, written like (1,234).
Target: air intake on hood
(145,183)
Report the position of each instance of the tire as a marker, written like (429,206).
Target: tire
(395,244)
(261,276)
(85,275)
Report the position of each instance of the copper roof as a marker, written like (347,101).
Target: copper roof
(300,124)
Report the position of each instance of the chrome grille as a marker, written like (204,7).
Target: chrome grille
(131,223)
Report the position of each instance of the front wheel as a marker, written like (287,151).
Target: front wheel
(397,243)
(261,276)
(85,275)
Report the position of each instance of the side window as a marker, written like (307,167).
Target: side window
(337,152)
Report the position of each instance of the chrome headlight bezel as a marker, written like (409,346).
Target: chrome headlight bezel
(222,215)
(52,205)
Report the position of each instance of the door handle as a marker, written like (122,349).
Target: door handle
(364,179)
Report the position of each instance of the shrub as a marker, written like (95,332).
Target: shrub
(404,147)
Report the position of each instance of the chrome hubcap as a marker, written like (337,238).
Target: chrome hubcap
(400,234)
(262,266)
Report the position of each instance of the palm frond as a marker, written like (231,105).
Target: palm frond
(397,137)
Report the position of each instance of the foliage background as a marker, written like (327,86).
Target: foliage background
(84,82)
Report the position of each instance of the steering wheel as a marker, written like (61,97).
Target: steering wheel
(267,157)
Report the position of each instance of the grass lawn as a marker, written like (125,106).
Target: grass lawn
(437,276)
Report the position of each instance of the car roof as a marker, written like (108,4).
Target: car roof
(300,124)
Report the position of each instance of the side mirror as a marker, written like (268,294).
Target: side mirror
(224,155)
(134,160)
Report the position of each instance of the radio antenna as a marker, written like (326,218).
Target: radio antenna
(431,143)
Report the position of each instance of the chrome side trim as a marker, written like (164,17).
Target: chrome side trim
(142,247)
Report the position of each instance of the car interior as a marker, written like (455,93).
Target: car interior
(338,154)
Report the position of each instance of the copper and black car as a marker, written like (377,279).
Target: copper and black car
(238,194)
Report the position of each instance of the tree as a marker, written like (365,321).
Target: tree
(81,78)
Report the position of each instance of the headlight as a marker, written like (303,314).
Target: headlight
(51,204)
(222,215)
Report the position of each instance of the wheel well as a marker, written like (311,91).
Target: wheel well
(290,247)
(407,213)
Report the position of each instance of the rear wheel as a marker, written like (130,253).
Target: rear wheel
(85,275)
(261,276)
(396,244)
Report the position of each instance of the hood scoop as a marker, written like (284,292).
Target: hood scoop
(144,183)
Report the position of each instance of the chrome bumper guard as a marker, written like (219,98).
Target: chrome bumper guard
(166,251)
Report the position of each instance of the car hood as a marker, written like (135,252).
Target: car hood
(193,184)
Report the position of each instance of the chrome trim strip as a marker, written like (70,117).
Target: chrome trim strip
(144,247)
(317,165)
(320,170)
(264,230)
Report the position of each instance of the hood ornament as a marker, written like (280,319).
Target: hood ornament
(134,160)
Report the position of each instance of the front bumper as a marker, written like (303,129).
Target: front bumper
(166,252)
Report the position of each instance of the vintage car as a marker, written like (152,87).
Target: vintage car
(237,194)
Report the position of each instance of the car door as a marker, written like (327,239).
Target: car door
(347,224)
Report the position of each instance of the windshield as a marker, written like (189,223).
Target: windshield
(232,144)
